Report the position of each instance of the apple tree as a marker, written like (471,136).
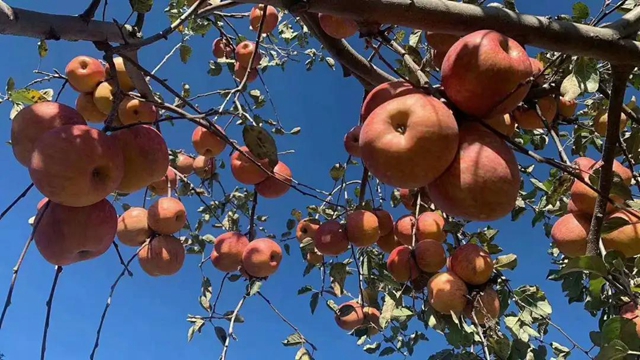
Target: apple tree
(458,109)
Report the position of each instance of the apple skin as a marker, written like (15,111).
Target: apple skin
(352,141)
(162,186)
(103,96)
(331,238)
(146,157)
(222,48)
(472,264)
(388,242)
(271,21)
(84,73)
(246,171)
(30,123)
(503,123)
(626,239)
(567,108)
(528,119)
(483,181)
(482,69)
(88,109)
(401,264)
(430,256)
(537,68)
(409,141)
(75,165)
(362,228)
(337,27)
(227,251)
(403,229)
(307,229)
(569,234)
(206,143)
(271,187)
(583,198)
(132,111)
(124,81)
(385,221)
(349,316)
(441,41)
(204,167)
(430,225)
(163,256)
(184,164)
(447,293)
(167,216)
(485,308)
(240,71)
(261,258)
(383,93)
(68,235)
(133,229)
(244,51)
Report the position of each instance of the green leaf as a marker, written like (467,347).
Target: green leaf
(414,38)
(43,48)
(293,340)
(305,289)
(27,96)
(619,328)
(330,62)
(228,315)
(11,85)
(337,171)
(580,12)
(141,6)
(506,262)
(196,327)
(260,143)
(372,348)
(387,351)
(185,53)
(613,351)
(613,223)
(338,274)
(215,68)
(387,311)
(255,287)
(221,334)
(313,303)
(592,264)
(303,354)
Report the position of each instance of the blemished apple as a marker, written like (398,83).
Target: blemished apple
(75,165)
(352,141)
(261,258)
(103,97)
(227,251)
(409,141)
(331,238)
(169,182)
(146,157)
(244,168)
(383,93)
(206,143)
(276,186)
(483,181)
(132,111)
(244,51)
(88,109)
(84,73)
(239,72)
(528,118)
(271,18)
(484,74)
(124,81)
(133,229)
(307,229)
(68,235)
(485,308)
(162,256)
(337,27)
(222,48)
(204,167)
(167,216)
(30,123)
(184,164)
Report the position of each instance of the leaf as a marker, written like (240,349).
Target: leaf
(372,348)
(185,53)
(338,274)
(43,48)
(305,289)
(592,264)
(255,287)
(27,96)
(234,277)
(619,328)
(330,62)
(221,334)
(337,171)
(141,6)
(15,110)
(505,262)
(580,12)
(613,351)
(293,340)
(260,143)
(11,85)
(313,303)
(197,326)
(215,68)
(303,354)
(387,311)
(228,315)
(585,78)
(414,38)
(387,351)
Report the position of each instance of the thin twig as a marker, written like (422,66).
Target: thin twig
(17,199)
(126,267)
(252,218)
(232,322)
(43,347)
(286,321)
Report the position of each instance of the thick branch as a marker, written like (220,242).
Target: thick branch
(620,76)
(628,24)
(91,10)
(458,18)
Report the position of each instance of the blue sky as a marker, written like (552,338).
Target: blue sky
(147,319)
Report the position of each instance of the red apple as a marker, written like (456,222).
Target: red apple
(352,141)
(222,48)
(331,238)
(244,51)
(245,170)
(271,21)
(337,27)
(276,186)
(206,143)
(383,93)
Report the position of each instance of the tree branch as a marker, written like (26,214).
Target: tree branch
(627,25)
(22,195)
(620,74)
(91,10)
(43,347)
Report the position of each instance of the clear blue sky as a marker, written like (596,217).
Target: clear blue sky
(147,319)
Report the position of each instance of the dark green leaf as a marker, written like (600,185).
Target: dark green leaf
(592,264)
(221,334)
(305,289)
(613,223)
(580,12)
(260,143)
(387,351)
(613,351)
(313,303)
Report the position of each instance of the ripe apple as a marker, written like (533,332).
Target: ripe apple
(352,141)
(600,122)
(430,256)
(441,41)
(529,119)
(503,123)
(385,221)
(124,81)
(169,182)
(569,234)
(240,72)
(146,157)
(403,229)
(337,27)
(204,167)
(270,22)
(388,242)
(167,216)
(244,51)
(132,111)
(583,197)
(485,308)
(349,316)
(409,141)
(447,293)
(206,143)
(261,258)
(537,68)
(227,251)
(484,74)
(88,109)
(383,93)
(67,235)
(84,73)
(625,239)
(245,170)
(362,228)
(567,108)
(103,96)
(472,264)
(430,225)
(401,264)
(133,229)
(307,229)
(222,48)
(483,182)
(30,123)
(75,165)
(331,238)
(271,187)
(372,320)
(163,256)
(184,164)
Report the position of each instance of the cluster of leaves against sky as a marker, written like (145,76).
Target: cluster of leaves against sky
(602,282)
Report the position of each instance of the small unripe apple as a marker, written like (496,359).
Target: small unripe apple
(84,73)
